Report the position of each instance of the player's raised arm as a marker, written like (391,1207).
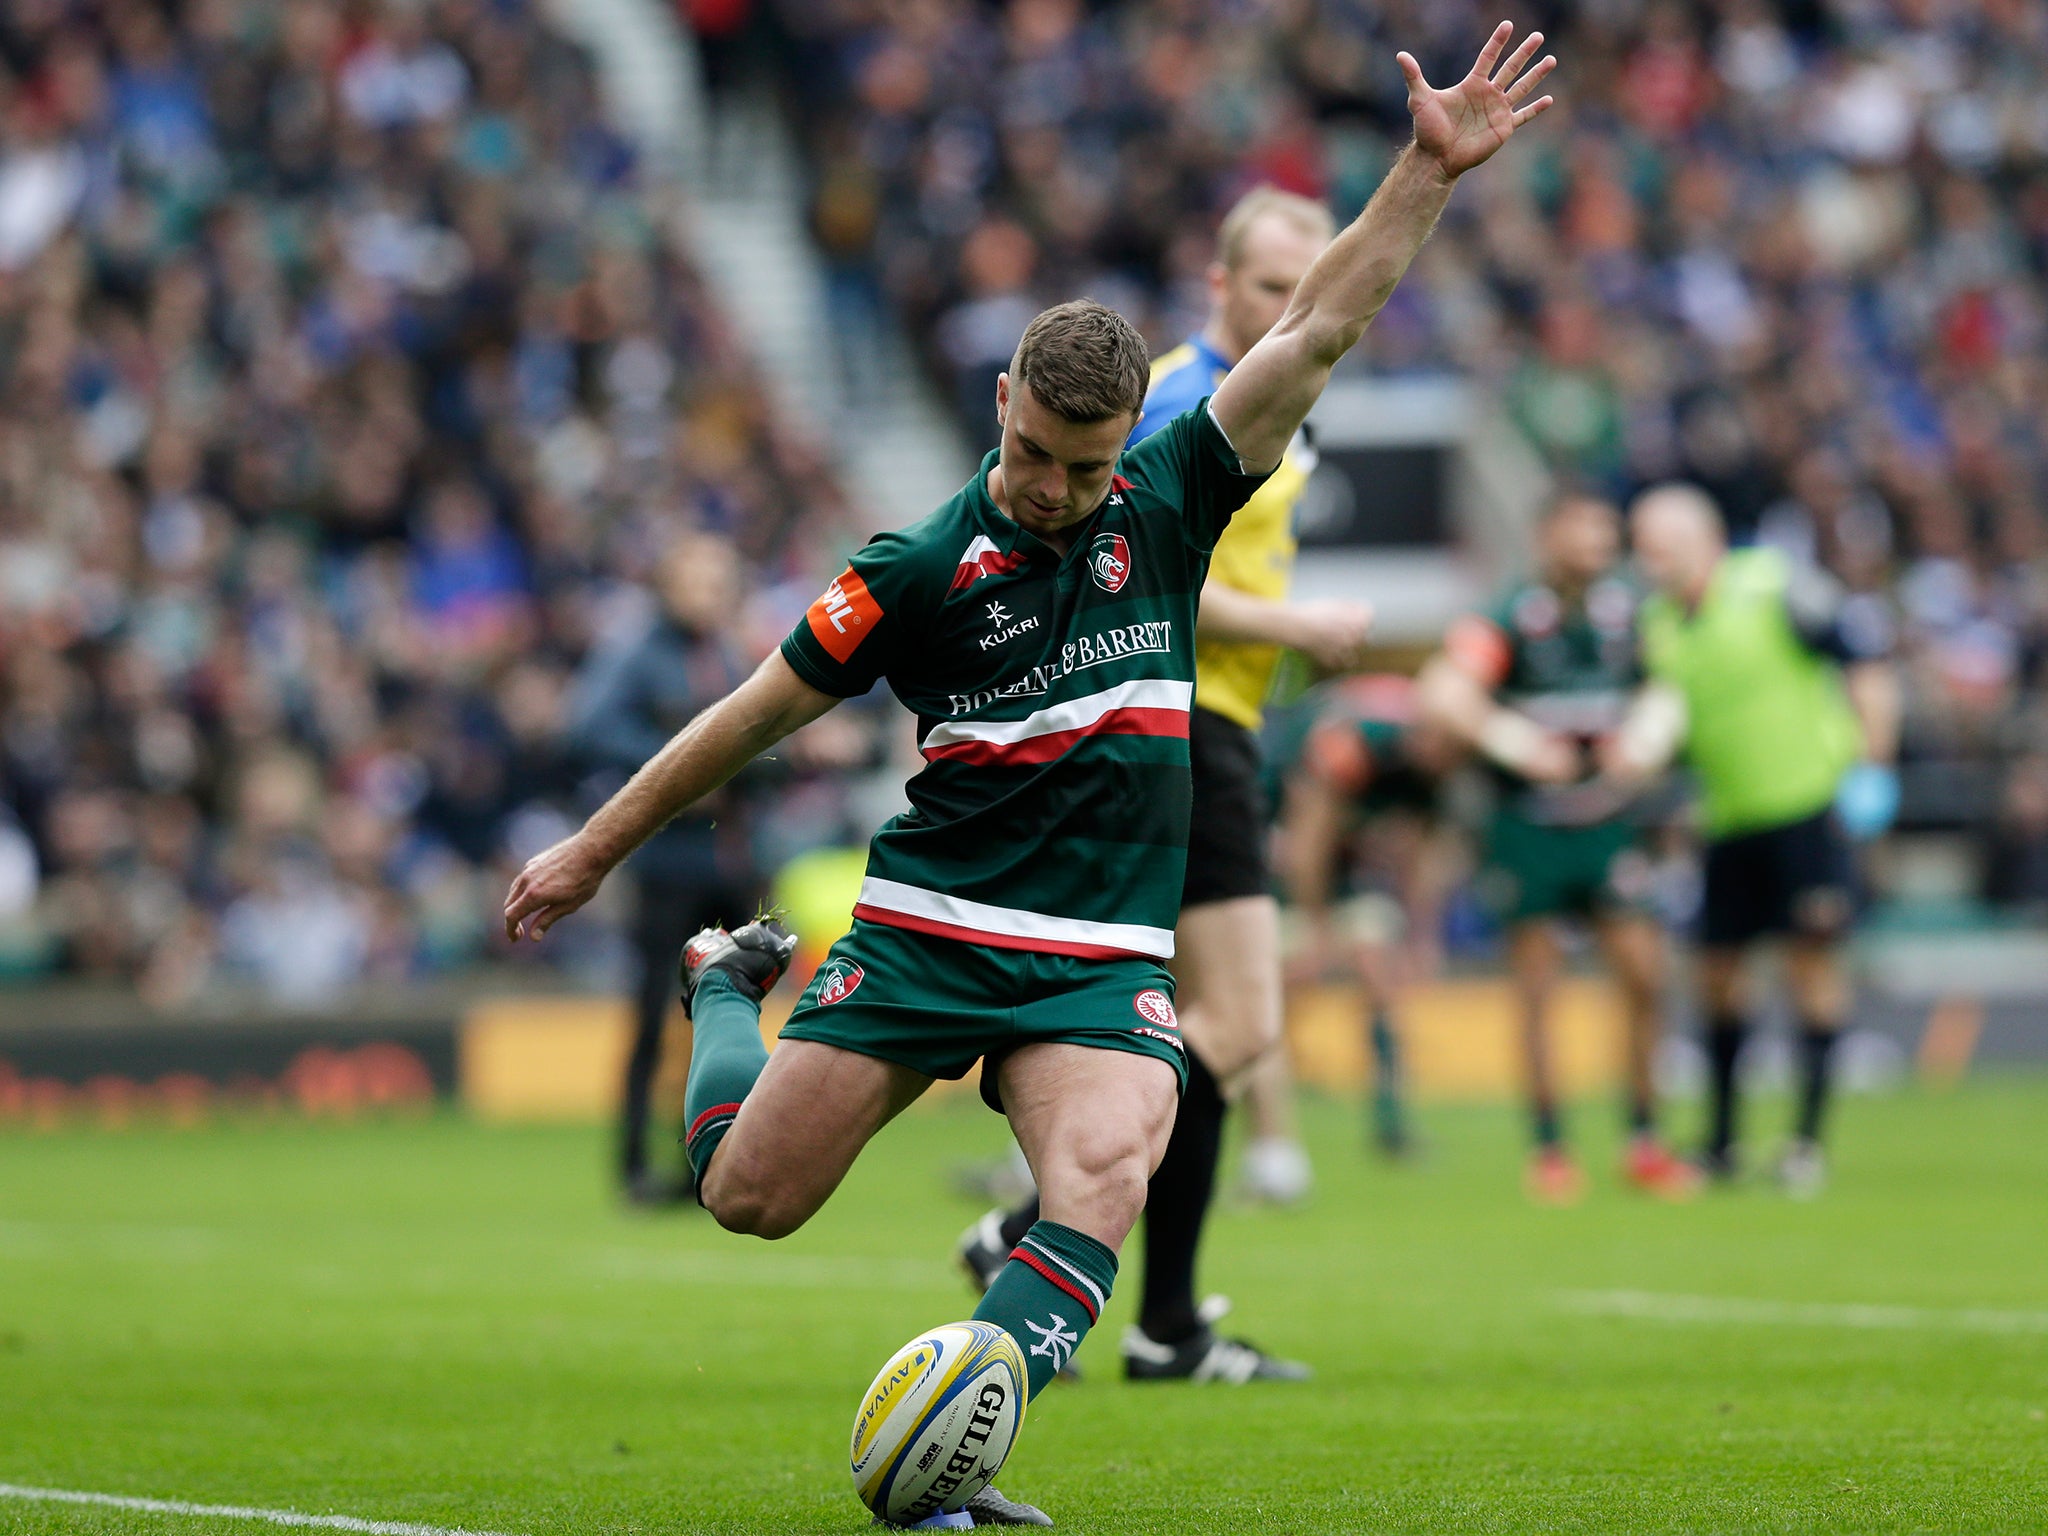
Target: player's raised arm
(1268,395)
(700,757)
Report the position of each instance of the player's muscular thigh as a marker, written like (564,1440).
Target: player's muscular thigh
(1093,1124)
(798,1132)
(1227,973)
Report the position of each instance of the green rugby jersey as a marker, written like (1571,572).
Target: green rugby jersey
(1572,666)
(1052,696)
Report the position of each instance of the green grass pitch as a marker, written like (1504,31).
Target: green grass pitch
(436,1322)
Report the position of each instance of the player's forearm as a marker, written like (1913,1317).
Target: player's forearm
(700,757)
(1873,688)
(1264,401)
(1228,614)
(1652,732)
(1351,281)
(1458,702)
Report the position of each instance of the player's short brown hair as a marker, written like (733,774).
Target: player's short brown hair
(1305,213)
(1083,361)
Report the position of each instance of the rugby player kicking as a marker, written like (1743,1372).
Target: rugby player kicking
(1040,625)
(1227,939)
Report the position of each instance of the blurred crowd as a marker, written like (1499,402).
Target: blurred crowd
(1795,250)
(352,387)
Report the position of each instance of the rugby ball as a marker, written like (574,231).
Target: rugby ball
(938,1421)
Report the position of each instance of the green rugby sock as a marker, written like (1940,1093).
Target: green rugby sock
(1049,1295)
(726,1056)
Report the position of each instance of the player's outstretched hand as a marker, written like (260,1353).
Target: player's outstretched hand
(1462,127)
(555,882)
(1332,633)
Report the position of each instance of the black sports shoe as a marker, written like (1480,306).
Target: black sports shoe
(982,1251)
(1718,1166)
(1207,1356)
(990,1508)
(754,956)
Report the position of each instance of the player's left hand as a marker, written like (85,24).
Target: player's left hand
(1867,800)
(554,883)
(1463,126)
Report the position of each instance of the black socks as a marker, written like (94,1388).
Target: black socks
(1175,1208)
(1725,1032)
(1816,1067)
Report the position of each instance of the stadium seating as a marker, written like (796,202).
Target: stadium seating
(353,382)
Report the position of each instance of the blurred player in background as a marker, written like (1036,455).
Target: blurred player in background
(1366,865)
(1546,685)
(1227,946)
(697,871)
(1789,713)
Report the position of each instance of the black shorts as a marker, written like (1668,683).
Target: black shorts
(1797,879)
(1227,840)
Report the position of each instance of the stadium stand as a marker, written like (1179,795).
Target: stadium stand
(353,380)
(1793,251)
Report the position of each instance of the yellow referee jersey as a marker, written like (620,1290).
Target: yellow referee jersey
(1255,554)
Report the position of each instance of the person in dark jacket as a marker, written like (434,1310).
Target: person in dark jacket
(698,870)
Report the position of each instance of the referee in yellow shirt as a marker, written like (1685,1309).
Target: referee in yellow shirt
(1227,943)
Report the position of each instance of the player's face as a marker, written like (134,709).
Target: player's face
(699,579)
(1581,540)
(1250,299)
(1055,471)
(1673,551)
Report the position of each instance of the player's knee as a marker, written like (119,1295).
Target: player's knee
(748,1205)
(1109,1169)
(1232,1036)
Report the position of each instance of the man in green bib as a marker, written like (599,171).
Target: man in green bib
(1790,707)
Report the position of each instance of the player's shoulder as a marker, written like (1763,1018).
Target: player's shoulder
(1525,608)
(1758,568)
(922,553)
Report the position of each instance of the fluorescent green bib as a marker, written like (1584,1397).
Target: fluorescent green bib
(1770,728)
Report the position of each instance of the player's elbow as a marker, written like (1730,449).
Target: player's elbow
(1321,334)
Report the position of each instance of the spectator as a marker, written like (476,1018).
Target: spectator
(697,871)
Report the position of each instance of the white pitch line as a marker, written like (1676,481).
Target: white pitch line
(235,1512)
(1661,1308)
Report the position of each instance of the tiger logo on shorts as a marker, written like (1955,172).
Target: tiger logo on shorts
(1155,1007)
(838,980)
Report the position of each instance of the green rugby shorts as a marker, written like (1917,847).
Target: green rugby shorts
(938,1006)
(1534,870)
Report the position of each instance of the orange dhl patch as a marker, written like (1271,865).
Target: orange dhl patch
(843,616)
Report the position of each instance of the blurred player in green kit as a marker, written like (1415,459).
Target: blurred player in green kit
(1547,685)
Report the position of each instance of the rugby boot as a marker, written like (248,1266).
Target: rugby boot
(1803,1169)
(754,956)
(1205,1356)
(1656,1170)
(1553,1178)
(989,1507)
(1718,1165)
